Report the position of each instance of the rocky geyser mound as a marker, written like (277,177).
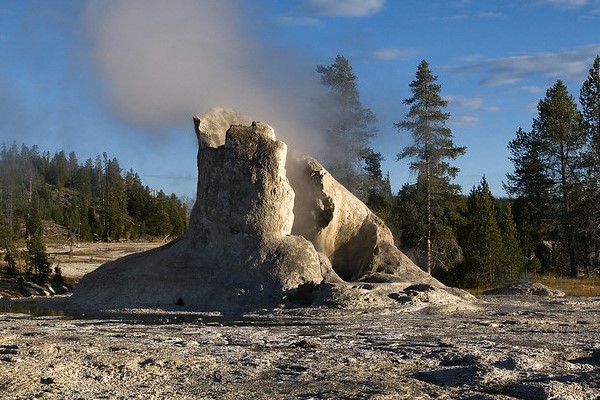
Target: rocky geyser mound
(524,289)
(257,238)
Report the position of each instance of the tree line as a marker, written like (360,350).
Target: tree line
(93,201)
(550,223)
(556,181)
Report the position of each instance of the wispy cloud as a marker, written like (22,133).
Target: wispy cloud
(490,14)
(531,89)
(463,102)
(564,3)
(461,10)
(569,64)
(473,58)
(464,120)
(492,109)
(459,3)
(472,103)
(394,54)
(466,108)
(450,18)
(304,21)
(343,8)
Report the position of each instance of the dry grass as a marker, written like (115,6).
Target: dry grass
(476,291)
(579,287)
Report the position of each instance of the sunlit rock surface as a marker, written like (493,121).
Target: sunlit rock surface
(358,243)
(257,241)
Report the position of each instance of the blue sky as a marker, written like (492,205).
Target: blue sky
(126,76)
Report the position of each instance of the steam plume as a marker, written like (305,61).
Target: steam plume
(164,62)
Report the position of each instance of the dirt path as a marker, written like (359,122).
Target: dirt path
(517,347)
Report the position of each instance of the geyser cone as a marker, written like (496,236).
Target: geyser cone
(244,250)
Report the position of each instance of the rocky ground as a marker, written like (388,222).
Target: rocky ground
(509,347)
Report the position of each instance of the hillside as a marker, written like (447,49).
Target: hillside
(55,211)
(94,201)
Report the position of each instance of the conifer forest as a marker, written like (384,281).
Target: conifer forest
(549,220)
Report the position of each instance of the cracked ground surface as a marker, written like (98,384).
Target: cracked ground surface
(510,347)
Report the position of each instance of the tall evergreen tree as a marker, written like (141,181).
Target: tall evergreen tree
(512,260)
(58,170)
(589,98)
(38,263)
(531,187)
(481,240)
(560,124)
(379,188)
(553,152)
(350,125)
(115,206)
(431,151)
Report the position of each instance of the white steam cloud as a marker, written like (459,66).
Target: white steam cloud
(164,62)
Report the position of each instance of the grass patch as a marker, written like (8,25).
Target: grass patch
(578,287)
(70,282)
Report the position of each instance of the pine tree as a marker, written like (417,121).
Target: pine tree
(531,187)
(589,98)
(8,245)
(431,149)
(351,126)
(38,262)
(560,124)
(115,206)
(512,260)
(553,154)
(378,187)
(58,173)
(481,240)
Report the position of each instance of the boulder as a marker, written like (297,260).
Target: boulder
(256,239)
(524,289)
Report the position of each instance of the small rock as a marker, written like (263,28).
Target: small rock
(8,349)
(147,361)
(217,377)
(47,381)
(306,344)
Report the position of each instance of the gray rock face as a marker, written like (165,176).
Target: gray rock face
(254,238)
